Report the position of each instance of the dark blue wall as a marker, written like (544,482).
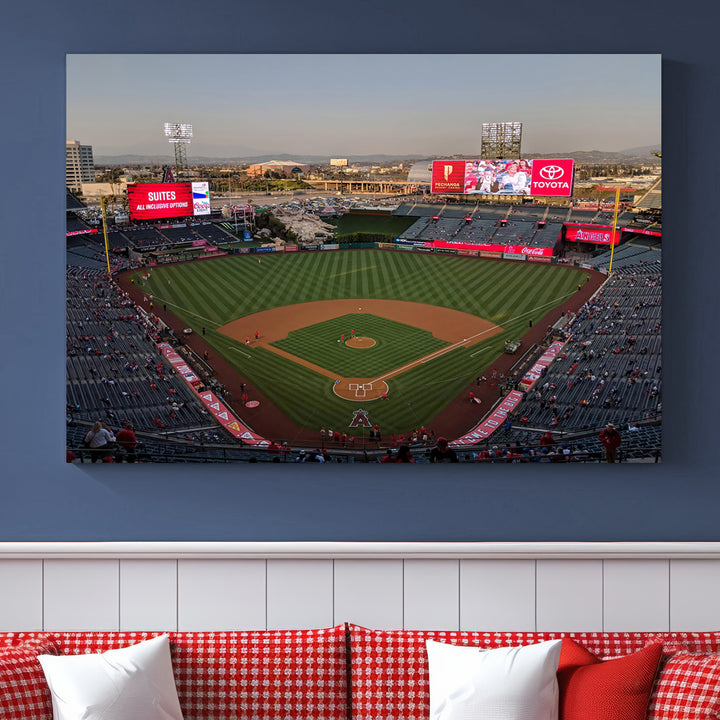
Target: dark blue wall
(43,499)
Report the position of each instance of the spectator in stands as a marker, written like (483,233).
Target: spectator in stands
(611,440)
(127,441)
(441,453)
(99,439)
(404,455)
(547,440)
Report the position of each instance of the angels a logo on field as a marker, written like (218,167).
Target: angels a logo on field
(360,419)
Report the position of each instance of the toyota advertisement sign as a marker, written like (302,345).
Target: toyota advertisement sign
(153,201)
(553,177)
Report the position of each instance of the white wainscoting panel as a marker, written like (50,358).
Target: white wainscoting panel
(82,595)
(148,595)
(221,595)
(694,595)
(299,594)
(21,595)
(636,595)
(369,593)
(431,594)
(254,586)
(497,595)
(569,595)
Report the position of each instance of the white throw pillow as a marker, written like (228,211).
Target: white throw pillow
(132,683)
(513,683)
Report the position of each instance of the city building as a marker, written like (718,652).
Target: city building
(287,168)
(79,165)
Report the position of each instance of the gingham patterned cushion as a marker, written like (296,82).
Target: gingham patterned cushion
(688,688)
(24,692)
(389,673)
(252,675)
(692,642)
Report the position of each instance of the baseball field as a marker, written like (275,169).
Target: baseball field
(398,334)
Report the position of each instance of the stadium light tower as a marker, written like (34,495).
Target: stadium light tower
(501,140)
(180,135)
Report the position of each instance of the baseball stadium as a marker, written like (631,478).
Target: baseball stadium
(509,328)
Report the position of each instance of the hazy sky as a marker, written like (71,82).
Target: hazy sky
(341,105)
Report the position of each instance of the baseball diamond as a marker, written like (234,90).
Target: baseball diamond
(454,327)
(434,323)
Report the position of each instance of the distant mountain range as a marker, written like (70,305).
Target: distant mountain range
(632,155)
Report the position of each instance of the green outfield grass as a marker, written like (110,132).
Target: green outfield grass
(211,293)
(396,345)
(388,224)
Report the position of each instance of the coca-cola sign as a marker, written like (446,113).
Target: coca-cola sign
(516,249)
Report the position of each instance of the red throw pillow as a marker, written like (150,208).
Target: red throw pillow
(24,692)
(595,689)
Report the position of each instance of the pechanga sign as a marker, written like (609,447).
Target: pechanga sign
(448,176)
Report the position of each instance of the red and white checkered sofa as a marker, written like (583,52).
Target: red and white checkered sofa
(234,675)
(346,672)
(389,677)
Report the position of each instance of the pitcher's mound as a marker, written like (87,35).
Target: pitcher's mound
(360,342)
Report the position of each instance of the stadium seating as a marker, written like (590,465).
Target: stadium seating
(114,371)
(609,372)
(106,334)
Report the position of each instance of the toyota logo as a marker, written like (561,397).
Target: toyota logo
(551,172)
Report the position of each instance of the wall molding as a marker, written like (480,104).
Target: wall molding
(361,550)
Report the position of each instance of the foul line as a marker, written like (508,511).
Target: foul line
(442,351)
(189,312)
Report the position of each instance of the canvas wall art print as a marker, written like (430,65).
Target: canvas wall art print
(364,259)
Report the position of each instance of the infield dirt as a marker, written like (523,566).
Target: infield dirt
(455,327)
